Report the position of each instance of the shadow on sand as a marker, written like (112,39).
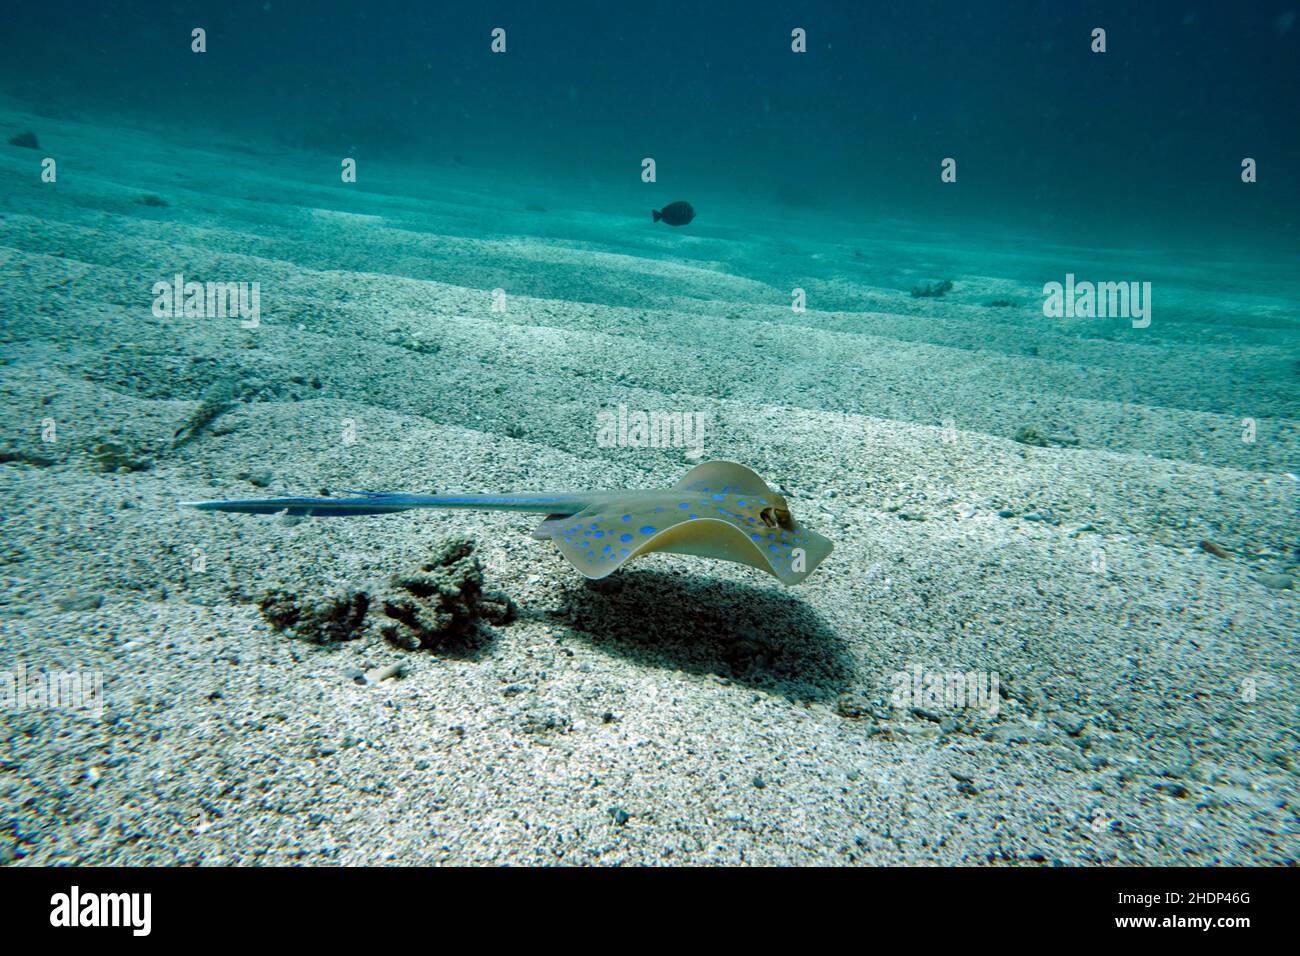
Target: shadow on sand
(765,638)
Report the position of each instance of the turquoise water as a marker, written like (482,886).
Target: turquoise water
(1045,131)
(529,161)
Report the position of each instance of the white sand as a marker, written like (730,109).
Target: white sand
(702,700)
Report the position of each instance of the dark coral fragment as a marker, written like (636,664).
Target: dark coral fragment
(442,600)
(322,620)
(1028,435)
(114,457)
(936,290)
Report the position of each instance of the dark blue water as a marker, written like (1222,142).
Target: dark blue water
(1145,139)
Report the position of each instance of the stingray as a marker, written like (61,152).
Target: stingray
(717,510)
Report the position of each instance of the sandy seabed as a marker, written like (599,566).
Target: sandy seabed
(687,712)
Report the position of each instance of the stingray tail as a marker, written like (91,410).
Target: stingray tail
(657,214)
(388,502)
(368,503)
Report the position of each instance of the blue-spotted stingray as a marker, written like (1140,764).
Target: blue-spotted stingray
(718,510)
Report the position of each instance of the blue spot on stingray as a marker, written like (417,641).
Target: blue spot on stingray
(608,548)
(600,534)
(627,517)
(658,509)
(648,529)
(625,538)
(757,537)
(693,517)
(623,551)
(773,548)
(719,497)
(586,534)
(684,504)
(741,503)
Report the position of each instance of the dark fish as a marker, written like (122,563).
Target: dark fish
(675,213)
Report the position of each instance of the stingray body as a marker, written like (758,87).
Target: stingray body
(718,510)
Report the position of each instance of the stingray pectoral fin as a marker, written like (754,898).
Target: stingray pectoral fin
(789,563)
(811,551)
(547,529)
(599,543)
(719,475)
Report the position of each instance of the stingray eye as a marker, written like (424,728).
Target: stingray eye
(769,516)
(783,519)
